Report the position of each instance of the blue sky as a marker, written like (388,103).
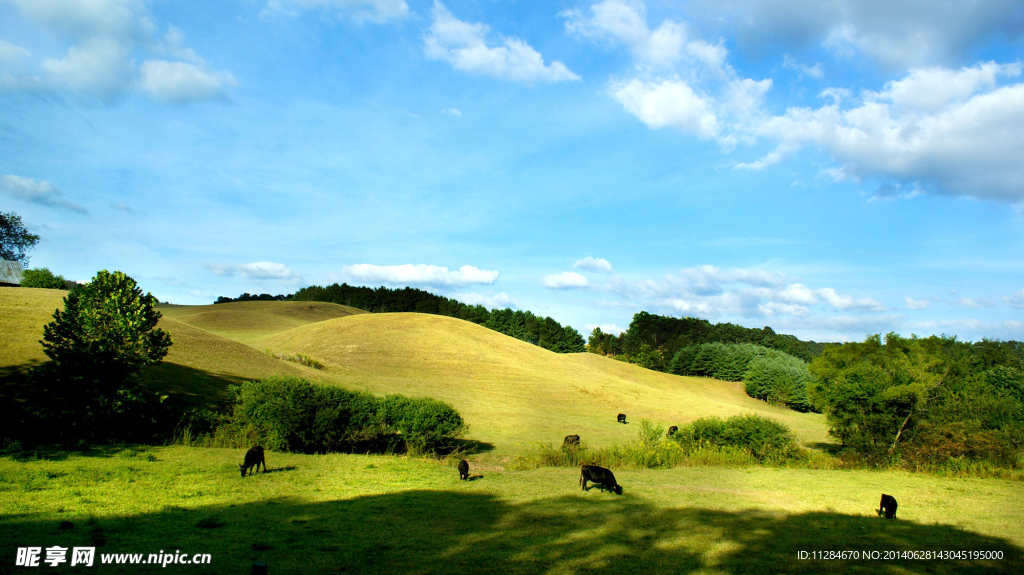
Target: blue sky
(831,168)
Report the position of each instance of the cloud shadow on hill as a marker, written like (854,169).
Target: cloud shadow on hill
(464,531)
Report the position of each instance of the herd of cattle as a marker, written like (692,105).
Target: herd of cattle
(599,476)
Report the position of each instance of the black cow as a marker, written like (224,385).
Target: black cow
(622,418)
(599,476)
(888,506)
(571,441)
(253,457)
(672,430)
(463,470)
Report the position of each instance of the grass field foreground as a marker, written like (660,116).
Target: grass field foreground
(372,514)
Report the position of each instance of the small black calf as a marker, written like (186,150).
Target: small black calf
(599,476)
(571,440)
(888,506)
(672,430)
(622,418)
(463,470)
(253,457)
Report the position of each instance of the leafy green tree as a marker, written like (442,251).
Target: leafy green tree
(15,240)
(97,345)
(43,278)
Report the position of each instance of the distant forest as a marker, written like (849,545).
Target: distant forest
(541,331)
(655,339)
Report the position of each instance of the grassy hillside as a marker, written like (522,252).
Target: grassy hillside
(512,392)
(250,322)
(197,368)
(374,514)
(23,313)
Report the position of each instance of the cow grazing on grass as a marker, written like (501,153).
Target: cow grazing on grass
(887,506)
(463,470)
(672,430)
(571,441)
(622,418)
(253,458)
(599,476)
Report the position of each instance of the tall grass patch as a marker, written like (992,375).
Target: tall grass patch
(736,441)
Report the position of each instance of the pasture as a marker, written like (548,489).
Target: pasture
(343,513)
(377,514)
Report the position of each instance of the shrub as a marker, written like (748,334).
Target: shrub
(761,437)
(291,414)
(42,278)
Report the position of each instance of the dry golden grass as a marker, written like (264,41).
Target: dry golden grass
(250,322)
(23,313)
(198,366)
(512,392)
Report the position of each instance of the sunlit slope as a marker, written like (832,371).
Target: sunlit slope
(200,364)
(514,392)
(23,313)
(251,321)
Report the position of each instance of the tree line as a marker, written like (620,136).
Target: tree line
(544,332)
(664,336)
(925,401)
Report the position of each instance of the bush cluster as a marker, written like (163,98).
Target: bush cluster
(770,375)
(763,438)
(285,413)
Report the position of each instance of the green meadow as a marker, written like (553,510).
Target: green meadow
(342,513)
(377,514)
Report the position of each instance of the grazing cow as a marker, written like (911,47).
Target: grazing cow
(253,457)
(463,470)
(599,476)
(888,506)
(672,430)
(571,441)
(622,418)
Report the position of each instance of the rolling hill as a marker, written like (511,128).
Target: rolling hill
(511,393)
(514,392)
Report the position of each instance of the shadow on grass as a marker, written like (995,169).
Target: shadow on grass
(829,448)
(188,385)
(472,446)
(462,531)
(280,469)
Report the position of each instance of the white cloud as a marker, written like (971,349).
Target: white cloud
(814,71)
(798,294)
(625,22)
(257,271)
(41,192)
(465,47)
(914,136)
(181,82)
(898,34)
(11,54)
(848,302)
(420,274)
(911,303)
(377,11)
(565,280)
(499,300)
(593,264)
(104,36)
(1016,299)
(668,103)
(98,67)
(453,112)
(605,328)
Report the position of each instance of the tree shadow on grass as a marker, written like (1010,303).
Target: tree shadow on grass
(463,531)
